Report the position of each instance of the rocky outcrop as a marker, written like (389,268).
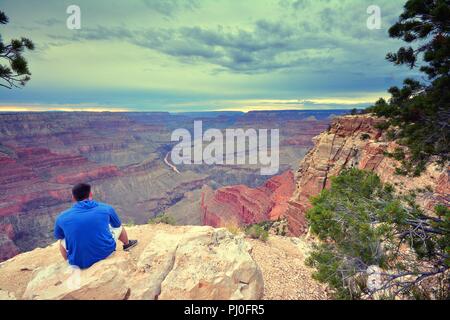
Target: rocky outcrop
(241,205)
(354,141)
(168,263)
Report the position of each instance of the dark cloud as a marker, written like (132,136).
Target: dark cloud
(170,7)
(104,33)
(269,46)
(50,22)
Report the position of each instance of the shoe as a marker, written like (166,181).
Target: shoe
(131,244)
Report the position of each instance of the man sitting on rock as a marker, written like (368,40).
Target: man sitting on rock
(89,230)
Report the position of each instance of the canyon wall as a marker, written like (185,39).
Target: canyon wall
(240,205)
(355,141)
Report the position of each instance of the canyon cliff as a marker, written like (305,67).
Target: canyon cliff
(355,141)
(240,205)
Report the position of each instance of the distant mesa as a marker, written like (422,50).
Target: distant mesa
(311,118)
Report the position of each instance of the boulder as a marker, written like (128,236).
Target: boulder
(103,281)
(212,266)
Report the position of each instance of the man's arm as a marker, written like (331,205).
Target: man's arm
(114,219)
(59,235)
(62,250)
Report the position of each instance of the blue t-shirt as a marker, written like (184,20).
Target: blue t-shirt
(85,227)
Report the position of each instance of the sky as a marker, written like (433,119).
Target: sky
(202,55)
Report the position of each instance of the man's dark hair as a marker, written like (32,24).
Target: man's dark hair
(81,191)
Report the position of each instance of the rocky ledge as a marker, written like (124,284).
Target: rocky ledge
(169,263)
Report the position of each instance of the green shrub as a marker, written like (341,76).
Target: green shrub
(164,219)
(391,135)
(398,154)
(361,222)
(382,125)
(130,222)
(233,228)
(257,231)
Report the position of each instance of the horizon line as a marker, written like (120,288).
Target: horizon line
(11,111)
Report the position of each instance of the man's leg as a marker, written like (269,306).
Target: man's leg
(121,234)
(124,236)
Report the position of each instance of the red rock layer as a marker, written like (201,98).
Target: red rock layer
(344,146)
(38,177)
(242,205)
